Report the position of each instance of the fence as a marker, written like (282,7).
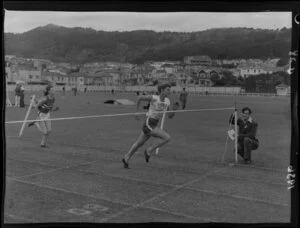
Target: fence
(200,91)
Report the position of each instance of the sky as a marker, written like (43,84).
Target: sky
(22,21)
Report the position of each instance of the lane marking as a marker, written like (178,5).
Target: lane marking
(19,218)
(79,211)
(53,170)
(134,206)
(112,201)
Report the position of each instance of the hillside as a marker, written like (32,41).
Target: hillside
(80,45)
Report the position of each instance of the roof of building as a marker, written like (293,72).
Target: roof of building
(77,74)
(282,85)
(160,71)
(167,65)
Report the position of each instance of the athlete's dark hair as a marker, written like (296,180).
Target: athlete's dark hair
(47,89)
(162,87)
(245,109)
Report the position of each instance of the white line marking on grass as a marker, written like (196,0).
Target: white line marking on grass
(79,211)
(134,206)
(239,197)
(194,189)
(109,200)
(208,161)
(20,218)
(252,180)
(95,207)
(54,170)
(33,162)
(257,167)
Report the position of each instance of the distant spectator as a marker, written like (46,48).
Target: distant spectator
(137,93)
(206,93)
(17,94)
(247,129)
(85,90)
(112,91)
(183,98)
(64,91)
(146,107)
(22,95)
(75,90)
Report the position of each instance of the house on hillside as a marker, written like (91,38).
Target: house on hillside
(160,75)
(55,78)
(76,79)
(30,74)
(283,90)
(203,60)
(169,68)
(247,71)
(140,74)
(181,77)
(204,78)
(107,77)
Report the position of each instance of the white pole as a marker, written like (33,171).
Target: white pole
(27,114)
(235,136)
(161,127)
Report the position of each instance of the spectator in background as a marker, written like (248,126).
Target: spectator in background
(64,90)
(183,98)
(247,129)
(22,95)
(75,90)
(17,94)
(146,107)
(112,91)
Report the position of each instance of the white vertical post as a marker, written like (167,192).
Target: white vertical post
(235,136)
(27,114)
(161,127)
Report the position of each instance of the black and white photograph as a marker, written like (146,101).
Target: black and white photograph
(148,115)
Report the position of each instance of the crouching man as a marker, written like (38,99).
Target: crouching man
(247,129)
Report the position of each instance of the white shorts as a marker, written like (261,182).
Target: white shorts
(45,124)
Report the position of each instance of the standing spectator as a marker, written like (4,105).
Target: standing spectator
(183,98)
(112,91)
(22,95)
(85,90)
(17,94)
(247,129)
(64,91)
(75,90)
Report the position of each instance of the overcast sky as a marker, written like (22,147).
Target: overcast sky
(22,21)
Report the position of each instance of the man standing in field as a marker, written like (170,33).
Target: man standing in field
(247,140)
(17,94)
(183,98)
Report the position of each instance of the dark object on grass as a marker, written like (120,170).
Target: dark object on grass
(109,102)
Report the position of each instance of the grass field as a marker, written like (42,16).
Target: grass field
(80,177)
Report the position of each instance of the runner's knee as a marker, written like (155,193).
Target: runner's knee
(167,138)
